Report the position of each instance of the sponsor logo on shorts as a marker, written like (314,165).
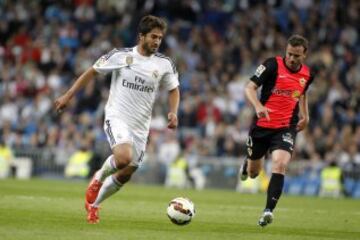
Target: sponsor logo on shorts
(249,144)
(287,137)
(110,133)
(249,150)
(141,157)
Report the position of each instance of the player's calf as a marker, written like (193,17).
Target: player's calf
(123,155)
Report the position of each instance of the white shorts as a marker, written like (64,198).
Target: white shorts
(118,132)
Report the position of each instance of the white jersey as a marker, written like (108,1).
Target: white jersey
(134,84)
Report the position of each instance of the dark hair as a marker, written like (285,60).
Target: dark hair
(149,22)
(298,40)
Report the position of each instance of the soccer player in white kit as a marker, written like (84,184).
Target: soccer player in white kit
(136,75)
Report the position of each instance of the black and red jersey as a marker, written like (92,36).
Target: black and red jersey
(281,91)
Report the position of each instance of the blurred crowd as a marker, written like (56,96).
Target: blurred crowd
(217,45)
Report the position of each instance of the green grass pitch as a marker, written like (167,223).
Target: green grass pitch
(49,209)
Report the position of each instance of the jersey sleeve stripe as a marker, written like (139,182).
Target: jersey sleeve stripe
(125,49)
(116,50)
(169,59)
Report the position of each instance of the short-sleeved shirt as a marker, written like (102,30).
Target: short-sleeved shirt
(134,83)
(281,91)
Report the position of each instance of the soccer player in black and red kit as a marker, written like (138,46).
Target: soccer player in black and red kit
(281,112)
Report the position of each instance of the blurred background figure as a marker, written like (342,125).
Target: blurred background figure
(184,172)
(331,181)
(6,160)
(168,152)
(78,165)
(254,185)
(177,174)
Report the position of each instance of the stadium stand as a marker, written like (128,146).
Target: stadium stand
(217,45)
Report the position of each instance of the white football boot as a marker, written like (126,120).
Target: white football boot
(266,218)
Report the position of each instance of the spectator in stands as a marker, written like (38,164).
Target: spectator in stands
(331,181)
(6,158)
(219,46)
(78,166)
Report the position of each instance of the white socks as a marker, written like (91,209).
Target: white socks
(108,168)
(109,187)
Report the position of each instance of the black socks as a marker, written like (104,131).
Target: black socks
(274,190)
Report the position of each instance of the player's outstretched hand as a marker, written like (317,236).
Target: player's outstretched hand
(301,125)
(172,120)
(61,103)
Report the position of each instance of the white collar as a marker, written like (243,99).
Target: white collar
(137,53)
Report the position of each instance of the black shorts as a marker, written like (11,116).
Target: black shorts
(263,139)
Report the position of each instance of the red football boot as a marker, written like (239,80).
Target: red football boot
(93,190)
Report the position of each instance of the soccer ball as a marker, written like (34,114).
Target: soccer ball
(181,210)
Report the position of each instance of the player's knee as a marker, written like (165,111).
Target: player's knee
(280,167)
(280,160)
(122,158)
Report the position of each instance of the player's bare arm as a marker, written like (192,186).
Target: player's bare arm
(304,113)
(251,95)
(174,98)
(61,102)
